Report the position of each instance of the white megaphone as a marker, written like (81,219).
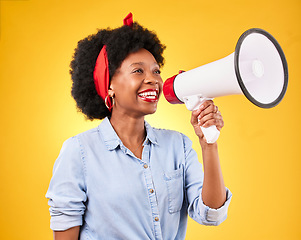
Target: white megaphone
(257,69)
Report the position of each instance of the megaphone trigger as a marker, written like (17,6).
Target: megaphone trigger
(195,101)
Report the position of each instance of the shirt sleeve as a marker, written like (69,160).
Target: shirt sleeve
(67,191)
(194,176)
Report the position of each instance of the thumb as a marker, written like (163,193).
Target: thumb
(194,117)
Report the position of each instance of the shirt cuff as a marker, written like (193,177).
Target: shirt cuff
(215,216)
(64,222)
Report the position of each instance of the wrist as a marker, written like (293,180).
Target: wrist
(207,146)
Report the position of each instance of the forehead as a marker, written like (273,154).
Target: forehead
(142,56)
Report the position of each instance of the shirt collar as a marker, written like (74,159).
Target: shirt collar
(150,133)
(108,134)
(112,140)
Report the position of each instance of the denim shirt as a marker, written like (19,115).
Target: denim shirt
(100,185)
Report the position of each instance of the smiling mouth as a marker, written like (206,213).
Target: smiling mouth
(149,95)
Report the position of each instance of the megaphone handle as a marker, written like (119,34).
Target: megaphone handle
(211,134)
(193,103)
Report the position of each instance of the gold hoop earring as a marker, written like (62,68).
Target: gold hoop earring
(106,102)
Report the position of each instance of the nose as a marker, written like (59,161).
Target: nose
(150,79)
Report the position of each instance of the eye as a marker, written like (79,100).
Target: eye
(157,71)
(139,70)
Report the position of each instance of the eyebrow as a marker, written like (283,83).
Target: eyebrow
(137,63)
(142,63)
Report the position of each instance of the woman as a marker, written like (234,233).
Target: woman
(125,179)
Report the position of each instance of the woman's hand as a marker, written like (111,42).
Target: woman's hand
(206,116)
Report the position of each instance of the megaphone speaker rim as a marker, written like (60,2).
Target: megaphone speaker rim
(238,75)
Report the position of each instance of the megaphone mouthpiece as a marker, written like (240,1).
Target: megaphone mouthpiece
(169,91)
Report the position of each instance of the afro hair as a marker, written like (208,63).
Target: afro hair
(120,42)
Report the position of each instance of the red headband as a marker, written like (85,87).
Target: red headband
(101,70)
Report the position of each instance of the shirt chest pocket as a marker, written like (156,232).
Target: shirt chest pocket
(174,183)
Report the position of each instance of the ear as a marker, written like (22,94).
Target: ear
(111,92)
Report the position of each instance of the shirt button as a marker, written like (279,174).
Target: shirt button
(156,219)
(151,190)
(145,166)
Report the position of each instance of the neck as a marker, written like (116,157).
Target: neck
(129,129)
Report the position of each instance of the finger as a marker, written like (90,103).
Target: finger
(206,104)
(208,117)
(205,108)
(219,123)
(194,116)
(211,108)
(215,109)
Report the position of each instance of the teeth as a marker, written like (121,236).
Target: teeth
(152,94)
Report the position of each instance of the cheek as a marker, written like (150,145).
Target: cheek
(160,84)
(125,84)
(127,91)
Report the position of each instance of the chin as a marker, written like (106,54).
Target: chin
(151,111)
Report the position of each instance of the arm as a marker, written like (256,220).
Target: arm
(213,191)
(69,234)
(67,188)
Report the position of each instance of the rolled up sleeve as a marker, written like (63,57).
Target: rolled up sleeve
(212,216)
(67,191)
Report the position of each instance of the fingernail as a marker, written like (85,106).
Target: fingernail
(201,107)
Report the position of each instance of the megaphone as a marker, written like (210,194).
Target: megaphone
(257,69)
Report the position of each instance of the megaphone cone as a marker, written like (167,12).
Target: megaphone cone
(257,69)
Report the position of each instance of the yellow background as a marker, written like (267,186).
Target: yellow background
(259,148)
